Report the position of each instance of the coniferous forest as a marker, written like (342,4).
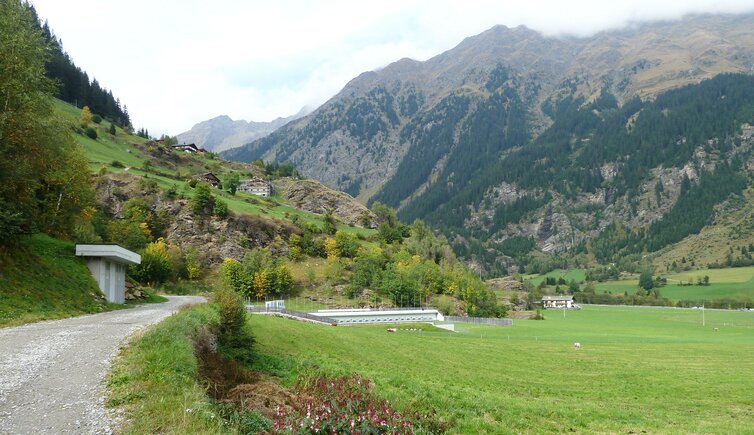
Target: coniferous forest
(74,85)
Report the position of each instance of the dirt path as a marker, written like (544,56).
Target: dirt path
(52,373)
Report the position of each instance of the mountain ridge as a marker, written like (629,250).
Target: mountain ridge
(432,138)
(222,132)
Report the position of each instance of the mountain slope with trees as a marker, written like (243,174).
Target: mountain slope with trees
(514,135)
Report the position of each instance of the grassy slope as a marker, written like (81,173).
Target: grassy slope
(156,379)
(44,280)
(120,147)
(639,369)
(731,228)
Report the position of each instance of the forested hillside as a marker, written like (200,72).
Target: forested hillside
(617,144)
(73,84)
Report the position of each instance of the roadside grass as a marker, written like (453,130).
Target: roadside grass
(639,369)
(42,279)
(155,380)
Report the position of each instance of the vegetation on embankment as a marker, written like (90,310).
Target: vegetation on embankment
(156,379)
(42,279)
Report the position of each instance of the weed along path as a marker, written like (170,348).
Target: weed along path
(52,373)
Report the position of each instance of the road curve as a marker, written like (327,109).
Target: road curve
(52,373)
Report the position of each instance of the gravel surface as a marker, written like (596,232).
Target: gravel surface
(52,373)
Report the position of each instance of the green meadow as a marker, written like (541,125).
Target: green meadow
(639,369)
(733,283)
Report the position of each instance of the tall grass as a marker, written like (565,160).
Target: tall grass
(156,378)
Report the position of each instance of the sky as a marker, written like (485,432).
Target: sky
(175,63)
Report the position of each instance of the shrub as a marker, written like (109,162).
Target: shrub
(193,266)
(235,340)
(96,119)
(129,234)
(232,312)
(154,268)
(202,202)
(346,244)
(117,164)
(91,133)
(233,276)
(221,209)
(341,405)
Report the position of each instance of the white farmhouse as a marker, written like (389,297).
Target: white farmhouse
(558,302)
(256,186)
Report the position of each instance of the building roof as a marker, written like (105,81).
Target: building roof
(557,298)
(186,145)
(114,253)
(209,175)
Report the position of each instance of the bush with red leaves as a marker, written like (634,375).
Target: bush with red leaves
(340,406)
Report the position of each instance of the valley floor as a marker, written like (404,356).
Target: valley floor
(649,369)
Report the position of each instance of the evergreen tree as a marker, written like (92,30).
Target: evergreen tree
(42,186)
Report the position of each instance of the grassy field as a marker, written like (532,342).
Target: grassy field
(639,369)
(578,275)
(734,283)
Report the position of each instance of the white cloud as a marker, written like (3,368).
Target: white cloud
(175,63)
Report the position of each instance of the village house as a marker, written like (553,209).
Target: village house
(189,148)
(210,178)
(558,302)
(256,186)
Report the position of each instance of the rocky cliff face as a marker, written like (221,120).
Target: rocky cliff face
(215,239)
(313,196)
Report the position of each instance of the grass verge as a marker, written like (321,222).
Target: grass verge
(42,279)
(156,378)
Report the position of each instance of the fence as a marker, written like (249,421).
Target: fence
(292,313)
(480,320)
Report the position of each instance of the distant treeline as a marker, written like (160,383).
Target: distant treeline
(74,85)
(655,300)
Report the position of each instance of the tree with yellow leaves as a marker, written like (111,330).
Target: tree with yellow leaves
(86,117)
(331,249)
(260,283)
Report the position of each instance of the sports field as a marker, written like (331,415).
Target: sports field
(638,369)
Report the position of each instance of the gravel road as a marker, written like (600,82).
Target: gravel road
(52,373)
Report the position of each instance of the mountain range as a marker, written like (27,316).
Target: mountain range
(513,140)
(222,132)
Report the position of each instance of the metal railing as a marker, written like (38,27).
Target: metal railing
(292,313)
(480,320)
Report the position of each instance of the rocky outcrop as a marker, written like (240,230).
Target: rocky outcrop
(216,239)
(315,197)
